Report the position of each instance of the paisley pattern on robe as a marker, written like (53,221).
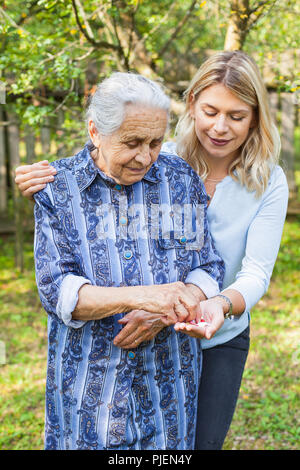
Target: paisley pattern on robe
(99,396)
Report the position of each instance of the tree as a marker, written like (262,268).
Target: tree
(53,52)
(242,18)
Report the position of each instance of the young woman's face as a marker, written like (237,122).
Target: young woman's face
(222,122)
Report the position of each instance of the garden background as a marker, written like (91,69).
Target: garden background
(53,53)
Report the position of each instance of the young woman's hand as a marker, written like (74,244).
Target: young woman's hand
(212,314)
(32,178)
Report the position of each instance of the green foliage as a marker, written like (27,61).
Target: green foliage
(277,29)
(47,46)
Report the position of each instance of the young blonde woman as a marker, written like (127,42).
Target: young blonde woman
(227,135)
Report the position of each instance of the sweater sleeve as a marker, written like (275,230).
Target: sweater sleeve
(263,241)
(58,264)
(208,267)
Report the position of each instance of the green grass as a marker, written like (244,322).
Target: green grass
(23,331)
(267,413)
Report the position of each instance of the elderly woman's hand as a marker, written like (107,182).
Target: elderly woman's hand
(175,301)
(140,326)
(32,178)
(213,315)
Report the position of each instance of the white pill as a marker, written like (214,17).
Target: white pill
(200,323)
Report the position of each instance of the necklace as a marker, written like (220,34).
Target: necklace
(211,192)
(210,186)
(215,181)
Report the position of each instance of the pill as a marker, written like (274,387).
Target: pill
(200,323)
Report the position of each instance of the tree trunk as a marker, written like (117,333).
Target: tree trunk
(45,138)
(287,139)
(61,150)
(14,158)
(274,105)
(237,27)
(3,175)
(30,145)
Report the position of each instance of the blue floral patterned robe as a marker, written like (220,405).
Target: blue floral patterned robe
(99,396)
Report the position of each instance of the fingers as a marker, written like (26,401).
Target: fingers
(181,312)
(182,302)
(33,178)
(174,301)
(128,316)
(194,331)
(140,326)
(33,174)
(214,326)
(29,186)
(134,331)
(212,312)
(32,190)
(23,169)
(127,334)
(186,306)
(167,320)
(131,338)
(172,316)
(211,322)
(191,305)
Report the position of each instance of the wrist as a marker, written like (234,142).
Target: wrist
(196,291)
(226,304)
(139,297)
(97,302)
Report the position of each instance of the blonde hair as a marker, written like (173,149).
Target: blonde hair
(260,152)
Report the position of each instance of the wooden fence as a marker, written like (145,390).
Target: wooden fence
(284,107)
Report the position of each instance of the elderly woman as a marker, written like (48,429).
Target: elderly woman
(110,239)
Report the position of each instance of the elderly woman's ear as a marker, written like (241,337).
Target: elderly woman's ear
(94,134)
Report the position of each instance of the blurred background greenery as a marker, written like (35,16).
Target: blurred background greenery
(53,53)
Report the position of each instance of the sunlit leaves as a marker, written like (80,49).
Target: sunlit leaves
(44,49)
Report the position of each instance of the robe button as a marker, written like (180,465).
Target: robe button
(128,254)
(123,220)
(131,355)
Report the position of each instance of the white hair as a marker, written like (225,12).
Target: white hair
(108,103)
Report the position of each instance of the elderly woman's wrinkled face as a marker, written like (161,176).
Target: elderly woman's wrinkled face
(128,153)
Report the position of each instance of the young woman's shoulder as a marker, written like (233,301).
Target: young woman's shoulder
(277,191)
(169,147)
(278,178)
(169,158)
